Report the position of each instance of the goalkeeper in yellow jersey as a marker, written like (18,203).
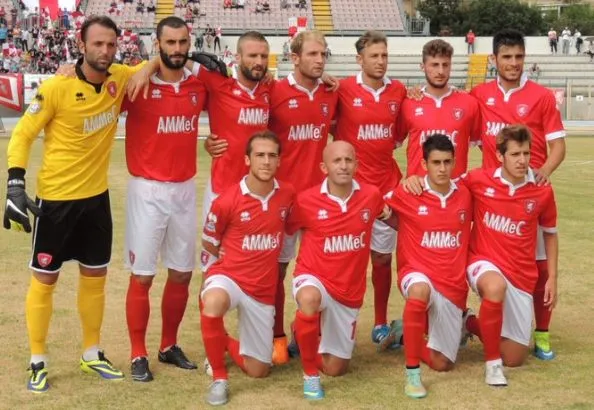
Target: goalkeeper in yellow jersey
(72,213)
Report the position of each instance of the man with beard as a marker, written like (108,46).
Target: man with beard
(368,107)
(439,110)
(514,99)
(73,219)
(161,206)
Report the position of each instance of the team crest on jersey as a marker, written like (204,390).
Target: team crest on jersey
(131,257)
(458,113)
(529,206)
(112,89)
(365,215)
(44,259)
(283,213)
(522,110)
(34,108)
(325,109)
(266,98)
(194,98)
(462,216)
(393,106)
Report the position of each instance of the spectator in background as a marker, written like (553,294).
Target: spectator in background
(3,16)
(565,38)
(590,51)
(286,50)
(266,6)
(13,16)
(470,37)
(301,4)
(151,7)
(199,42)
(259,8)
(3,34)
(534,71)
(578,41)
(553,40)
(227,4)
(140,7)
(16,36)
(217,38)
(491,69)
(25,40)
(240,4)
(284,4)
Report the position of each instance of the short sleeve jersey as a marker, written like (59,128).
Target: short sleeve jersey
(235,113)
(162,131)
(79,121)
(456,115)
(366,118)
(506,218)
(335,238)
(433,237)
(250,230)
(301,119)
(530,104)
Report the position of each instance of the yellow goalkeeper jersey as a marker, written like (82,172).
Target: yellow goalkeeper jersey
(80,121)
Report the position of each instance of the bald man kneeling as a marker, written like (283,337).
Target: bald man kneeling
(336,218)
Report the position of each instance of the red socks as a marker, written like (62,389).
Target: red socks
(490,322)
(233,349)
(279,309)
(173,307)
(473,326)
(542,314)
(214,338)
(414,319)
(307,331)
(381,277)
(138,309)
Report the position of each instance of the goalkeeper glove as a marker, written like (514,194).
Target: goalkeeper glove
(17,202)
(210,61)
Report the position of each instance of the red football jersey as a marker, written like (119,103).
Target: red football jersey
(456,115)
(335,238)
(250,229)
(162,131)
(235,113)
(531,104)
(433,237)
(366,118)
(506,219)
(301,119)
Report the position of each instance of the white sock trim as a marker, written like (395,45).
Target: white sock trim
(491,363)
(92,353)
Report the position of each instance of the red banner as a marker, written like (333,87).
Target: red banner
(50,5)
(11,91)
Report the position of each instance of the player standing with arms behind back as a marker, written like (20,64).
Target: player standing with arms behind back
(368,107)
(513,99)
(79,115)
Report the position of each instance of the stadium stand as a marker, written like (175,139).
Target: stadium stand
(382,15)
(124,14)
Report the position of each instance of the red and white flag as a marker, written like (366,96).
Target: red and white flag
(297,25)
(11,91)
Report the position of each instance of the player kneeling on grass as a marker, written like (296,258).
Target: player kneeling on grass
(508,207)
(247,221)
(432,250)
(336,219)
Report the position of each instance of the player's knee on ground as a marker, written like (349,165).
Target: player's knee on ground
(255,368)
(179,277)
(513,354)
(46,278)
(440,363)
(335,366)
(381,258)
(215,302)
(282,270)
(144,280)
(492,286)
(309,299)
(419,291)
(92,272)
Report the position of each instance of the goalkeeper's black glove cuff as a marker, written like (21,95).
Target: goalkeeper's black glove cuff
(16,177)
(210,61)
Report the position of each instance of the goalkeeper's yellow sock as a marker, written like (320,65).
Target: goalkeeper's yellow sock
(38,312)
(91,303)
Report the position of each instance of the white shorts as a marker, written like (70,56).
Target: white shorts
(541,253)
(518,308)
(445,318)
(383,238)
(160,218)
(338,322)
(209,197)
(255,319)
(289,249)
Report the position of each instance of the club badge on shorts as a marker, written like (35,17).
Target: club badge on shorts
(44,259)
(112,89)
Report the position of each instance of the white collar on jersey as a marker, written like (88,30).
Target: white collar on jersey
(506,95)
(339,201)
(376,93)
(156,80)
(250,91)
(528,179)
(438,100)
(263,199)
(443,198)
(310,94)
